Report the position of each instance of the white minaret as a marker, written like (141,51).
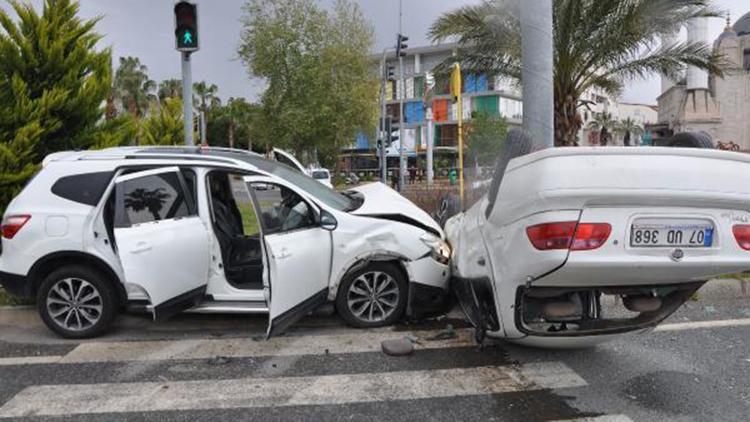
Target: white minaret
(697,32)
(668,40)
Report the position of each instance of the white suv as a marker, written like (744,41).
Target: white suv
(213,230)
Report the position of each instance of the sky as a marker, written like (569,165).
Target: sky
(145,29)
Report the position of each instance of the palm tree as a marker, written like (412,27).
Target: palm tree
(169,88)
(204,98)
(597,44)
(629,126)
(133,87)
(238,113)
(605,124)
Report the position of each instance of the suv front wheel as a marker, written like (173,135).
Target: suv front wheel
(76,302)
(374,296)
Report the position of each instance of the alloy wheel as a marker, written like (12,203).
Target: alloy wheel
(74,304)
(373,296)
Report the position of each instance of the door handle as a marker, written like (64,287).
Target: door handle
(481,262)
(141,247)
(283,254)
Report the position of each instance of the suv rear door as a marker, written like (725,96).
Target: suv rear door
(162,244)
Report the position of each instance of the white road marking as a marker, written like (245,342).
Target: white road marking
(693,325)
(355,342)
(53,400)
(604,418)
(29,360)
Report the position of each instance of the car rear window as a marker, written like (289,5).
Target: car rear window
(86,188)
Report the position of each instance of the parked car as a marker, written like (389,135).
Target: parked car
(322,175)
(213,231)
(574,246)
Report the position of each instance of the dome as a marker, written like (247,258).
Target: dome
(728,32)
(742,26)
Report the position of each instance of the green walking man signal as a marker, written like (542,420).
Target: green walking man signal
(186,26)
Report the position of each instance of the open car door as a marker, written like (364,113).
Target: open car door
(162,243)
(289,159)
(298,253)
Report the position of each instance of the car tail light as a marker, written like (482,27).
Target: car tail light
(742,235)
(590,236)
(550,236)
(13,224)
(568,235)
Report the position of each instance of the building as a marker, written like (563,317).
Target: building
(493,95)
(718,106)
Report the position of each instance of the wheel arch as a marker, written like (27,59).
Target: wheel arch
(48,263)
(362,261)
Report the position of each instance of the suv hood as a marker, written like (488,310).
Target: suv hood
(380,201)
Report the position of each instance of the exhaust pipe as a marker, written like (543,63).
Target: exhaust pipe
(642,303)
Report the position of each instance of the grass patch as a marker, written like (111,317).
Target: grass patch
(7,299)
(743,275)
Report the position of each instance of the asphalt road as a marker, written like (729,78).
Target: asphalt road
(697,367)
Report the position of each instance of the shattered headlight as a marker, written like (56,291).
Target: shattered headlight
(441,251)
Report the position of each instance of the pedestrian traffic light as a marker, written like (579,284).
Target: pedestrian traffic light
(391,72)
(401,45)
(186,26)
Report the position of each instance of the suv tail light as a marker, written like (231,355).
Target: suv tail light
(742,235)
(13,224)
(568,235)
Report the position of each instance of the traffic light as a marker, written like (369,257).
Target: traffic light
(391,73)
(390,132)
(401,45)
(186,26)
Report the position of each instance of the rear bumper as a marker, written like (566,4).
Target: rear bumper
(15,284)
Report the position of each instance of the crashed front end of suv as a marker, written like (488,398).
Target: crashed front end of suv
(573,246)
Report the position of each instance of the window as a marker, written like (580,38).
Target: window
(281,209)
(747,59)
(86,188)
(250,223)
(152,198)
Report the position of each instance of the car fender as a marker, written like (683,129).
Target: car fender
(362,260)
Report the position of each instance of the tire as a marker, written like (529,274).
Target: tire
(350,299)
(85,318)
(691,140)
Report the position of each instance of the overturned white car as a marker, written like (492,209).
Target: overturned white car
(564,231)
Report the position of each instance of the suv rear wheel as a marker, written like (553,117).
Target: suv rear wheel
(76,302)
(374,296)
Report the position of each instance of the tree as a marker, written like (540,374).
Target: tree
(629,127)
(165,127)
(205,99)
(597,44)
(133,88)
(53,82)
(485,138)
(169,88)
(605,124)
(320,87)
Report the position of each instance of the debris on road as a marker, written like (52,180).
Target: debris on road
(448,333)
(398,347)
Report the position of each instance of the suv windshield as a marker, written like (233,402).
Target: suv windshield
(322,192)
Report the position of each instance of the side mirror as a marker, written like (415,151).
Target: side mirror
(328,221)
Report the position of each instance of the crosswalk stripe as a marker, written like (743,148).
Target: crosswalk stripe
(29,360)
(355,342)
(693,325)
(54,400)
(604,418)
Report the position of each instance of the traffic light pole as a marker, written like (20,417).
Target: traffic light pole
(187,98)
(384,137)
(401,138)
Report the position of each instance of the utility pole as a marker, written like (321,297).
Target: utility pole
(429,91)
(401,133)
(382,134)
(186,42)
(537,52)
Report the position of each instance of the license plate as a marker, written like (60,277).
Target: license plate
(683,234)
